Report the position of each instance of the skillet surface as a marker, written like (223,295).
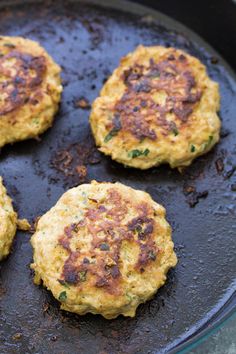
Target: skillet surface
(88,41)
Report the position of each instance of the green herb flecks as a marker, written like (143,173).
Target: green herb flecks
(64,283)
(129,297)
(36,121)
(192,148)
(173,128)
(63,296)
(136,153)
(115,130)
(82,275)
(110,135)
(175,131)
(138,229)
(210,139)
(209,142)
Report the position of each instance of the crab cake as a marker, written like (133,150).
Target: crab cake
(8,221)
(159,106)
(30,89)
(103,248)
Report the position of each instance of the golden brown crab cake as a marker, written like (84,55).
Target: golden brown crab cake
(159,106)
(103,248)
(8,221)
(30,89)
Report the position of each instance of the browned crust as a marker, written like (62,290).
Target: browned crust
(21,81)
(136,109)
(101,263)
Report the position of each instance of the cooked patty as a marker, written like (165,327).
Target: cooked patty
(159,106)
(30,89)
(8,220)
(103,248)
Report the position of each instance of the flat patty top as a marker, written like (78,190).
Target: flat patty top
(21,74)
(99,244)
(158,106)
(139,106)
(104,227)
(30,89)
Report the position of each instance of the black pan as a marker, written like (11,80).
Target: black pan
(88,41)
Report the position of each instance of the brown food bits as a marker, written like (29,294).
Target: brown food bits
(189,189)
(82,103)
(73,160)
(82,171)
(17,336)
(23,225)
(193,198)
(214,60)
(107,222)
(137,108)
(21,82)
(34,225)
(114,271)
(63,160)
(45,307)
(219,163)
(101,282)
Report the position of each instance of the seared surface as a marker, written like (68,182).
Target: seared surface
(159,106)
(30,89)
(104,248)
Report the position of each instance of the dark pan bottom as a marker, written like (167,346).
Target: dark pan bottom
(88,41)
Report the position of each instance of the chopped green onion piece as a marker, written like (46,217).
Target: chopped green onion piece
(64,283)
(175,131)
(110,135)
(192,149)
(136,153)
(210,140)
(208,143)
(129,297)
(82,275)
(63,296)
(36,121)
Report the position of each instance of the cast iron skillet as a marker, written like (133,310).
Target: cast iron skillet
(88,41)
